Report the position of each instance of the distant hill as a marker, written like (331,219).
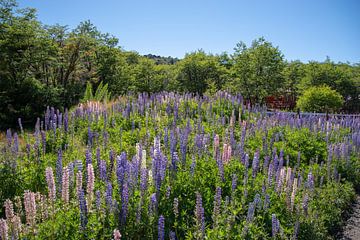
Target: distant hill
(162,60)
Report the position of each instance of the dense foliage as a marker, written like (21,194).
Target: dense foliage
(176,166)
(320,99)
(43,65)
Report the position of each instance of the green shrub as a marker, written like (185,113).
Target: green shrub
(320,99)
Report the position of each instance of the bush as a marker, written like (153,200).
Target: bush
(320,99)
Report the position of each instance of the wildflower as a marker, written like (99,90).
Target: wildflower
(234,182)
(199,216)
(59,169)
(293,194)
(161,228)
(108,195)
(176,207)
(90,183)
(30,207)
(255,164)
(275,225)
(310,181)
(65,185)
(251,212)
(117,234)
(217,205)
(124,203)
(143,181)
(172,235)
(102,170)
(88,157)
(4,229)
(305,203)
(143,159)
(153,204)
(9,210)
(83,209)
(98,199)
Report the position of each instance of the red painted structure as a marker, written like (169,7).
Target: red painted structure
(280,102)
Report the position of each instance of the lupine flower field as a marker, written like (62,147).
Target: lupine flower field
(171,166)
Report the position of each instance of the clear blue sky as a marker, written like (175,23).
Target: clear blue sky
(303,29)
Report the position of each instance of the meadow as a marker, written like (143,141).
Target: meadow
(178,166)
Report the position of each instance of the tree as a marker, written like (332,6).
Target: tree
(197,70)
(293,73)
(320,99)
(257,71)
(341,77)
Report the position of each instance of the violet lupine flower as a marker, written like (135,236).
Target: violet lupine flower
(172,235)
(305,203)
(9,137)
(251,212)
(90,136)
(310,181)
(143,181)
(174,160)
(266,202)
(161,228)
(102,170)
(112,158)
(199,216)
(257,201)
(234,182)
(65,185)
(296,230)
(108,195)
(168,191)
(9,210)
(183,145)
(246,161)
(90,183)
(192,166)
(83,209)
(117,234)
(4,230)
(59,169)
(255,163)
(121,169)
(98,157)
(88,157)
(98,199)
(124,203)
(275,224)
(30,207)
(51,183)
(220,168)
(217,205)
(176,207)
(153,204)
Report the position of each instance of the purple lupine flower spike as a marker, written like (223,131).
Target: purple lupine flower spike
(199,215)
(161,228)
